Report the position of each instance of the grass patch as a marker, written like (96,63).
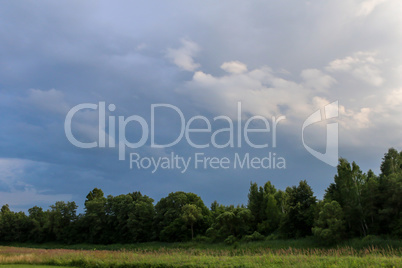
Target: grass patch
(29,266)
(368,252)
(303,243)
(255,254)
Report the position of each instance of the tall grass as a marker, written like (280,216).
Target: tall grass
(208,257)
(304,243)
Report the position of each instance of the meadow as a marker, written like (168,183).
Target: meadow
(298,253)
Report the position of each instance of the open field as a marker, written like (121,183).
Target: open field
(29,266)
(238,256)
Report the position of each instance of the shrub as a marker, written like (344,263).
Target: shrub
(256,236)
(230,240)
(202,239)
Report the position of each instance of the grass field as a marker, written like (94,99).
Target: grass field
(258,254)
(29,266)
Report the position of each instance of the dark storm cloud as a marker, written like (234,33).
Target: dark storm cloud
(57,54)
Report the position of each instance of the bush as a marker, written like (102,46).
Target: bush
(230,240)
(370,238)
(256,236)
(202,239)
(212,234)
(272,237)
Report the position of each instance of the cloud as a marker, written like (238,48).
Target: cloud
(234,67)
(356,120)
(183,56)
(367,7)
(14,173)
(349,118)
(362,118)
(366,124)
(394,98)
(31,196)
(316,79)
(259,90)
(262,91)
(51,100)
(86,53)
(11,170)
(362,65)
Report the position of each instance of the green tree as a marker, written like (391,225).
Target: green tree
(94,225)
(60,224)
(390,188)
(5,209)
(299,212)
(119,208)
(372,200)
(391,209)
(392,162)
(255,204)
(169,223)
(329,227)
(231,221)
(271,213)
(140,218)
(191,214)
(95,194)
(14,226)
(38,220)
(265,204)
(348,192)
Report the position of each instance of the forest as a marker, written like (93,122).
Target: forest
(356,204)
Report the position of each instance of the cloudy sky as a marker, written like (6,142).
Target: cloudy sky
(276,58)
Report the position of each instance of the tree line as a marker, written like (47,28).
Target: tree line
(356,204)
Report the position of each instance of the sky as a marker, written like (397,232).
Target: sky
(177,81)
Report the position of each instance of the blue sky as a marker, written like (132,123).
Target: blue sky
(278,58)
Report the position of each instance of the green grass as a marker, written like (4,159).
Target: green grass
(200,258)
(29,266)
(304,243)
(372,252)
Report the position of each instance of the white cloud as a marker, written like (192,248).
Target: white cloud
(263,93)
(349,119)
(183,56)
(260,91)
(235,67)
(369,74)
(362,65)
(316,79)
(51,100)
(344,64)
(367,7)
(394,98)
(376,122)
(362,118)
(319,102)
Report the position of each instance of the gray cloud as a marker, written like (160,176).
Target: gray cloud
(277,57)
